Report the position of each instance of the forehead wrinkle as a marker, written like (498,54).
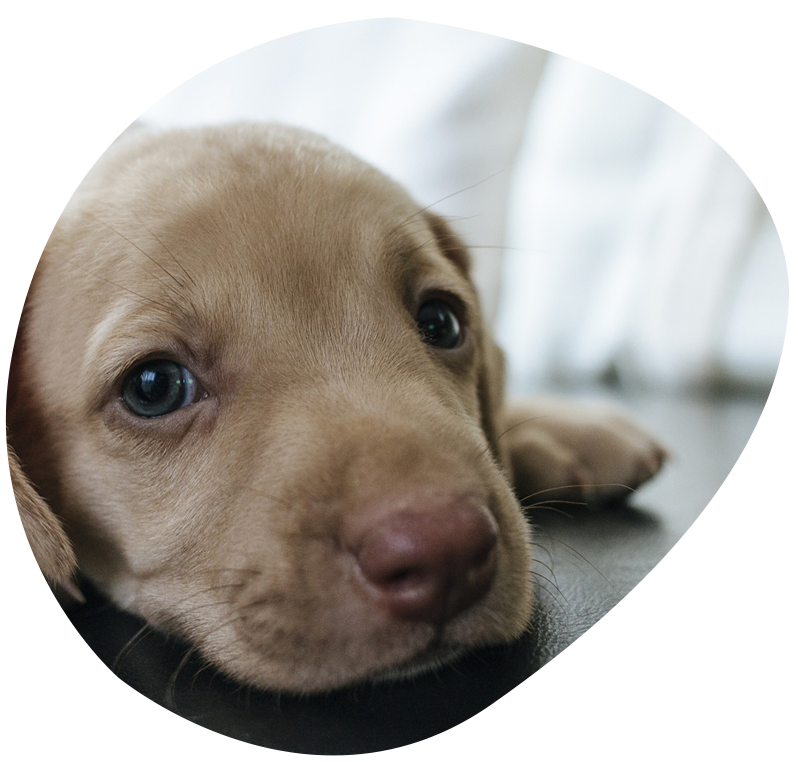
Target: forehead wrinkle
(105,334)
(128,332)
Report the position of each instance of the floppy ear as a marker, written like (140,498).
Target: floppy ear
(491,400)
(491,358)
(48,540)
(46,535)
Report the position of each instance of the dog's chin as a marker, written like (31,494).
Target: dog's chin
(334,670)
(434,658)
(359,646)
(303,682)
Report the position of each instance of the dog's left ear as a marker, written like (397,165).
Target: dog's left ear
(491,399)
(491,357)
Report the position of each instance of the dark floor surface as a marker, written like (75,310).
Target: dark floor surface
(587,560)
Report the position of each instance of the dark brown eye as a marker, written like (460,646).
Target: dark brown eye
(438,325)
(159,387)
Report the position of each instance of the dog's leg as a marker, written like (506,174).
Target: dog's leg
(565,451)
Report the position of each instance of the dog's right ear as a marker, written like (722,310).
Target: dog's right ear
(51,546)
(48,540)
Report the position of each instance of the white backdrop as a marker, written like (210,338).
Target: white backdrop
(612,237)
(641,249)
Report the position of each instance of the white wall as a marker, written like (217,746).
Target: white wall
(641,249)
(637,247)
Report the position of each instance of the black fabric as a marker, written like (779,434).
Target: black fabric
(586,561)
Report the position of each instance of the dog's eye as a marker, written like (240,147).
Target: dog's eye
(438,325)
(159,387)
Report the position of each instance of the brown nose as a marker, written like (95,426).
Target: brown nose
(429,564)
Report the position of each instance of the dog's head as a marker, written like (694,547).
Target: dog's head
(253,382)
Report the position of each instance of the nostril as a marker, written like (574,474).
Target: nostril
(402,576)
(429,564)
(483,557)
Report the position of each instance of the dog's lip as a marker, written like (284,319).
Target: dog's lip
(434,656)
(437,652)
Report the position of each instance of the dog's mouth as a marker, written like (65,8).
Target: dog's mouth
(348,648)
(433,657)
(340,671)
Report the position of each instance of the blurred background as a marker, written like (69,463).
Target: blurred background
(616,244)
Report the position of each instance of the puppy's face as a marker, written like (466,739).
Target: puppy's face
(256,387)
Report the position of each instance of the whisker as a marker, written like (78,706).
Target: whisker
(547,567)
(546,507)
(123,288)
(171,701)
(451,195)
(486,247)
(420,246)
(545,550)
(578,555)
(138,248)
(167,250)
(200,670)
(126,649)
(489,447)
(424,223)
(521,423)
(538,575)
(561,604)
(578,486)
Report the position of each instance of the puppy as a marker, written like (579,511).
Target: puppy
(253,391)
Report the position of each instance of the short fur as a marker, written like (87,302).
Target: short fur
(286,274)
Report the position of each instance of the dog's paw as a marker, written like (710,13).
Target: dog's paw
(587,453)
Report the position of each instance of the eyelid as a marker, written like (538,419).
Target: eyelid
(108,379)
(175,352)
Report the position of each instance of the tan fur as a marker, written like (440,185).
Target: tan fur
(286,275)
(47,538)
